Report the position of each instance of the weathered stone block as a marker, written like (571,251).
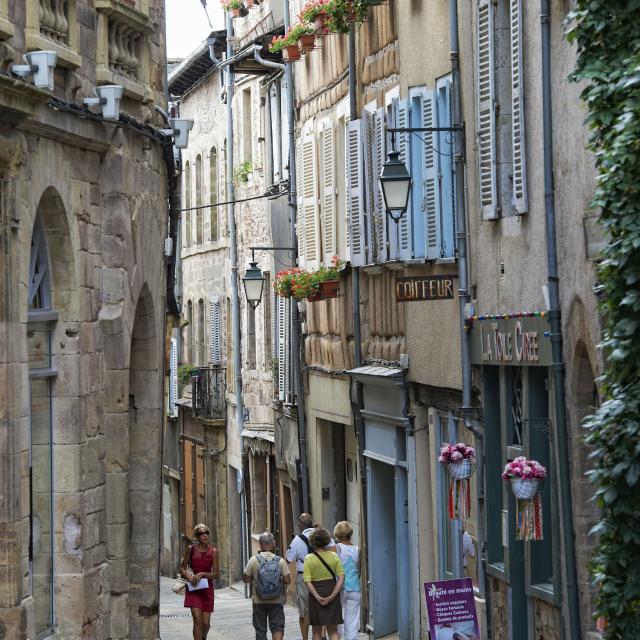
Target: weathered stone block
(113,285)
(117,495)
(116,429)
(119,583)
(120,616)
(116,391)
(68,468)
(92,458)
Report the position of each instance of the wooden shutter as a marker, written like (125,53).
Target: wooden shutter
(200,503)
(300,224)
(287,346)
(214,321)
(447,145)
(405,226)
(282,346)
(173,378)
(379,211)
(188,506)
(486,111)
(430,177)
(308,210)
(354,181)
(520,198)
(328,192)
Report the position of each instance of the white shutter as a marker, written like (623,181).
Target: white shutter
(354,181)
(309,210)
(368,144)
(214,322)
(328,191)
(486,111)
(405,226)
(379,212)
(173,379)
(302,251)
(294,10)
(287,346)
(282,346)
(517,97)
(430,176)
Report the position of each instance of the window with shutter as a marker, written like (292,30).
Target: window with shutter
(485,64)
(300,224)
(404,229)
(328,190)
(309,210)
(282,346)
(214,321)
(517,97)
(446,145)
(287,346)
(187,204)
(355,201)
(173,379)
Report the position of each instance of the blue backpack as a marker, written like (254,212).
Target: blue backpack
(269,579)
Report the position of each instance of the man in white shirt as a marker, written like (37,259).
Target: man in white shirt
(297,551)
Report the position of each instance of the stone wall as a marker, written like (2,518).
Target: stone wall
(104,236)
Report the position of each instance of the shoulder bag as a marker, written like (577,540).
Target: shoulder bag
(180,585)
(329,569)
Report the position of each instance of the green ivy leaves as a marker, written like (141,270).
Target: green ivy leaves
(607,37)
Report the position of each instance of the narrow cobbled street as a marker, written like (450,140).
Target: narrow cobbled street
(231,619)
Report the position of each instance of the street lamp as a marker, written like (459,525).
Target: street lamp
(253,282)
(395,182)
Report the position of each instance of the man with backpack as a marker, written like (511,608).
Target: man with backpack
(269,573)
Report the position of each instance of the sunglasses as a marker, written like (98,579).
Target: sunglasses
(200,533)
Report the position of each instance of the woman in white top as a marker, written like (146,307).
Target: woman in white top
(349,555)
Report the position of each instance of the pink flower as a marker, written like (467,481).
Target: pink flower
(456,456)
(443,459)
(470,452)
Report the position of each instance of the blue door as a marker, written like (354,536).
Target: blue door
(383,609)
(402,553)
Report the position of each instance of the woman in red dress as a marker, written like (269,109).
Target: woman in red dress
(200,561)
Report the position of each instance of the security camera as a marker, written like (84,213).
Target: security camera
(181,128)
(40,64)
(109,98)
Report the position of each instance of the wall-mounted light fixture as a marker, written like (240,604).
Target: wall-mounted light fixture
(253,280)
(108,97)
(40,65)
(180,131)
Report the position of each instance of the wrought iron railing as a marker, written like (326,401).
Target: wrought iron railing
(208,393)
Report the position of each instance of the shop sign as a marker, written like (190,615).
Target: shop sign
(413,288)
(511,341)
(451,609)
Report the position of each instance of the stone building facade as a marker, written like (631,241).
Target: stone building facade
(82,322)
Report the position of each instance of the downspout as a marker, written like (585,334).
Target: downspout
(296,353)
(235,298)
(257,48)
(357,340)
(571,629)
(464,299)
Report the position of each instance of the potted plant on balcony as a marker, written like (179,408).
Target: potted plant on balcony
(283,286)
(287,46)
(306,37)
(235,6)
(525,477)
(316,12)
(321,284)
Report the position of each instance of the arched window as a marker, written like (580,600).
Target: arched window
(187,204)
(198,215)
(213,191)
(41,317)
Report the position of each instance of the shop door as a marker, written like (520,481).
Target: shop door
(383,612)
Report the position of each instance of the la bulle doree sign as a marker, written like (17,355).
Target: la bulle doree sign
(414,288)
(511,342)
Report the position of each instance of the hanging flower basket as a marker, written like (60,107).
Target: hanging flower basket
(525,489)
(525,477)
(459,461)
(291,53)
(307,42)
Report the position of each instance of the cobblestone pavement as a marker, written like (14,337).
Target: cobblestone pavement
(231,618)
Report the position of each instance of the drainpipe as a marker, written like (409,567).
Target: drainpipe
(257,48)
(296,352)
(357,337)
(464,299)
(235,297)
(571,628)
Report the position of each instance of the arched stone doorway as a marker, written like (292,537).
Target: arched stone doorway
(144,473)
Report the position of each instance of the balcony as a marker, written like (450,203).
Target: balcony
(208,393)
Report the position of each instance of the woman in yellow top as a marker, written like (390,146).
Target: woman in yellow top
(324,576)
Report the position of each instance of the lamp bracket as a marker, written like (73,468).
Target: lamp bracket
(291,250)
(454,130)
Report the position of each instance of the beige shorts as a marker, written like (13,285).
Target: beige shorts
(303,596)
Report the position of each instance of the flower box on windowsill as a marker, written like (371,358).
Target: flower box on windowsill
(291,53)
(326,289)
(307,42)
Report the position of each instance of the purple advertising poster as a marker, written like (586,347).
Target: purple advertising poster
(452,610)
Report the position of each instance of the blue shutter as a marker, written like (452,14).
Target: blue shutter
(430,176)
(446,145)
(405,226)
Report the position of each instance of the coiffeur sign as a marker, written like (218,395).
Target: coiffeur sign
(511,341)
(410,289)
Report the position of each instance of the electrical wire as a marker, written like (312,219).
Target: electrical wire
(268,194)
